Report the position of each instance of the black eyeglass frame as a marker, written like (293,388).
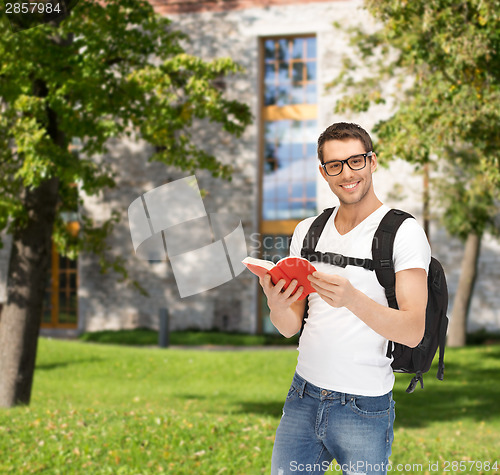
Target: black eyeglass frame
(364,155)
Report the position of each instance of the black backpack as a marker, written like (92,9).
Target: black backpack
(416,360)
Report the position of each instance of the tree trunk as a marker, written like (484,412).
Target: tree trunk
(27,278)
(458,322)
(426,198)
(22,314)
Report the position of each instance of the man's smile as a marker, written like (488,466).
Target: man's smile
(350,186)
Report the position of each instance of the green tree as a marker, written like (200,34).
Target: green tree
(441,57)
(111,69)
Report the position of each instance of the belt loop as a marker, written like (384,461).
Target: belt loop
(302,388)
(342,398)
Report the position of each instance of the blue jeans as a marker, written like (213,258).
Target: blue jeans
(319,425)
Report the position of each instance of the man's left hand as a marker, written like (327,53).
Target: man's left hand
(334,290)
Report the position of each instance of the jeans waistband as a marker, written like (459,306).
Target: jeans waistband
(302,386)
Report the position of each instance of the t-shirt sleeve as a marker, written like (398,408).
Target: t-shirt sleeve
(411,247)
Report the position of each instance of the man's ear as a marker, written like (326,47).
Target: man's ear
(323,174)
(373,162)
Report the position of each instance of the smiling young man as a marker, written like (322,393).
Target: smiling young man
(340,404)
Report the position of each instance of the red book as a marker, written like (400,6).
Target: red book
(288,268)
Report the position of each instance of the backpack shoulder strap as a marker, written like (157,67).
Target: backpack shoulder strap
(309,245)
(312,237)
(382,249)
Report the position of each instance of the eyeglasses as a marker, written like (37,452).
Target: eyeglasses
(356,162)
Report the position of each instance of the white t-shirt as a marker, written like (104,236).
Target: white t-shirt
(337,350)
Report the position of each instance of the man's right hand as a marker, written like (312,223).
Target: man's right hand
(287,310)
(278,298)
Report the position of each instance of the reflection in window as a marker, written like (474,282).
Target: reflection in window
(290,71)
(290,169)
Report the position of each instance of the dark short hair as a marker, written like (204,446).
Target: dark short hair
(344,131)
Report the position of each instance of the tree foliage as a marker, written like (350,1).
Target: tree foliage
(111,69)
(442,59)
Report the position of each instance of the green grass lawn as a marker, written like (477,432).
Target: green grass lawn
(124,410)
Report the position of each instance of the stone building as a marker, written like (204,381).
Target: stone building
(290,51)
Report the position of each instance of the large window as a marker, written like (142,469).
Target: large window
(289,123)
(288,138)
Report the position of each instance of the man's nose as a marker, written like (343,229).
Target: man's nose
(346,171)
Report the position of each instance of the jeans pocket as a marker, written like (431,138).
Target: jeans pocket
(291,392)
(368,406)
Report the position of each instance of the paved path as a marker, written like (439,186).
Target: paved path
(229,347)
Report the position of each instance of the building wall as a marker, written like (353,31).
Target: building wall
(104,303)
(235,32)
(172,7)
(232,28)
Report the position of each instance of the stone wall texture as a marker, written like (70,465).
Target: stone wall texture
(105,303)
(233,306)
